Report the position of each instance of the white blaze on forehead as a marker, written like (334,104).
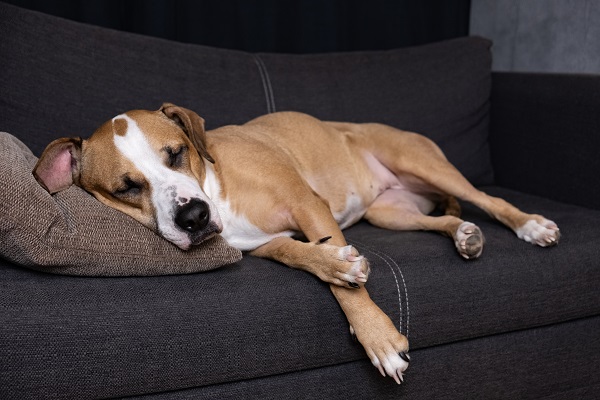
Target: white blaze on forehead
(168,187)
(136,148)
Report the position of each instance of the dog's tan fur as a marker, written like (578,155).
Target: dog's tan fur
(291,172)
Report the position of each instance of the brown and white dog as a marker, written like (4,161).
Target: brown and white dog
(278,177)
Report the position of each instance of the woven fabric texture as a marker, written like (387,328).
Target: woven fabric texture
(541,117)
(115,337)
(72,233)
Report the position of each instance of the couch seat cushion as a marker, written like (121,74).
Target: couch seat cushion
(514,285)
(106,337)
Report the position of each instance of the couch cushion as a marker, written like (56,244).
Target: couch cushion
(107,337)
(73,233)
(538,117)
(514,285)
(63,78)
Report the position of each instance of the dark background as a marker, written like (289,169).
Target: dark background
(285,26)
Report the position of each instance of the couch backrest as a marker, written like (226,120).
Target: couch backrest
(62,78)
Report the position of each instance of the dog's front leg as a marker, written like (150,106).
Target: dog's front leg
(386,347)
(344,269)
(338,265)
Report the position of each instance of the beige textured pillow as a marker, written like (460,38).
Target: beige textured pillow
(72,233)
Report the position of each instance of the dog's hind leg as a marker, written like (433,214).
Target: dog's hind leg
(408,154)
(398,210)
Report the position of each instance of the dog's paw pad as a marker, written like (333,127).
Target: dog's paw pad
(469,240)
(541,232)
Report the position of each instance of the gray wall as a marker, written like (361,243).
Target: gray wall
(540,35)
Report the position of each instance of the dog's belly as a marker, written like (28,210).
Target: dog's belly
(382,187)
(367,182)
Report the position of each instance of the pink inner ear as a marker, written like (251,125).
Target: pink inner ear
(58,175)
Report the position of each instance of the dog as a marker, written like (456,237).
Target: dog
(283,186)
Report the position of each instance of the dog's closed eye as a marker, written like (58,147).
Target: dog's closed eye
(129,188)
(176,156)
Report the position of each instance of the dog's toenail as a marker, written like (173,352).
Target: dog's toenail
(323,240)
(353,285)
(404,356)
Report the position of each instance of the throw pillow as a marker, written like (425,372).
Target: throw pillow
(72,233)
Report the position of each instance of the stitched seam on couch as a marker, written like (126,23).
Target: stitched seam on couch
(389,261)
(266,81)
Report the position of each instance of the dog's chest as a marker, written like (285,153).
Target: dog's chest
(238,231)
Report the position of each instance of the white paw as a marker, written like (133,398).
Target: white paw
(386,347)
(392,364)
(341,266)
(541,232)
(469,240)
(358,266)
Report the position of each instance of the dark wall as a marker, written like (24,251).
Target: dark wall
(291,26)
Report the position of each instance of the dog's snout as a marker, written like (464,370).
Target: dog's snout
(193,216)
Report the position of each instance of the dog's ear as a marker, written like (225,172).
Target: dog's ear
(59,166)
(192,124)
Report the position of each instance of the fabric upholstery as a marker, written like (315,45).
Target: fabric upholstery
(257,318)
(72,233)
(438,373)
(544,135)
(514,285)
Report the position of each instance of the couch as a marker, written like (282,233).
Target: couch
(521,322)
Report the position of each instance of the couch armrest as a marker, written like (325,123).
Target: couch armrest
(545,135)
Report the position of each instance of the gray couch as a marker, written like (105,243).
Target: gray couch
(520,322)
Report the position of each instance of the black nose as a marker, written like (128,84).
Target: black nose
(193,216)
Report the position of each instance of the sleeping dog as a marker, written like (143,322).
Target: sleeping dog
(263,184)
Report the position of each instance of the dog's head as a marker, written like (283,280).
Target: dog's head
(147,164)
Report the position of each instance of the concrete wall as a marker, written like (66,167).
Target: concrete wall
(540,35)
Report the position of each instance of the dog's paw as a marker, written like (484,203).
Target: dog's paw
(343,266)
(469,240)
(394,364)
(387,349)
(539,231)
(358,266)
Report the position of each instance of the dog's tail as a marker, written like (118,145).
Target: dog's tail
(451,206)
